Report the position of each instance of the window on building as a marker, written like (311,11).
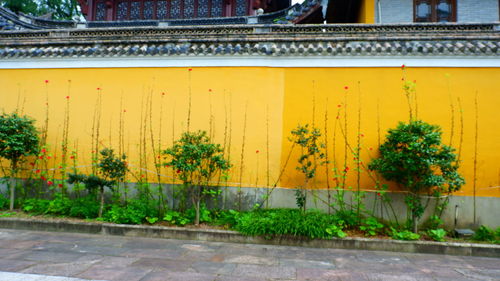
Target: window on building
(435,10)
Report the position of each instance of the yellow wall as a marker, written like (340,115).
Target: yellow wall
(367,12)
(278,97)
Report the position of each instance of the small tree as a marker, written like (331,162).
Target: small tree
(112,170)
(312,156)
(196,160)
(18,138)
(414,157)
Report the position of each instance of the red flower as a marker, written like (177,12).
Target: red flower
(72,157)
(98,88)
(60,185)
(190,69)
(46,81)
(142,176)
(48,157)
(43,150)
(42,178)
(379,194)
(257,151)
(346,169)
(361,135)
(41,157)
(37,171)
(67,97)
(49,183)
(346,87)
(32,164)
(403,66)
(178,171)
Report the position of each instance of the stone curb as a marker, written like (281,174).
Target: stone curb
(428,247)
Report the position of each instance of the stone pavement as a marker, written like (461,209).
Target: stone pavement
(33,255)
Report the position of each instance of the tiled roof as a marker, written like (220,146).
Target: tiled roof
(261,40)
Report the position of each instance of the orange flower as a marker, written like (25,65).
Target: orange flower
(346,87)
(67,97)
(46,81)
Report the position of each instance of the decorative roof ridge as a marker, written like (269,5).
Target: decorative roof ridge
(435,29)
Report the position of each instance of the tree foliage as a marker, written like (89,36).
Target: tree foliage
(196,160)
(312,155)
(57,9)
(18,138)
(414,157)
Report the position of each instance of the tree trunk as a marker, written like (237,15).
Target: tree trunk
(12,192)
(101,206)
(196,204)
(197,209)
(415,222)
(13,169)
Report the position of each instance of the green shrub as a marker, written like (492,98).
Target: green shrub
(404,235)
(414,157)
(371,226)
(227,217)
(484,233)
(176,218)
(4,202)
(272,222)
(36,206)
(437,234)
(59,206)
(135,212)
(84,207)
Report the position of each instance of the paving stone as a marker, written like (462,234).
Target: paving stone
(109,273)
(59,269)
(14,265)
(251,260)
(162,264)
(264,271)
(11,276)
(48,256)
(213,267)
(314,274)
(240,278)
(177,276)
(299,263)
